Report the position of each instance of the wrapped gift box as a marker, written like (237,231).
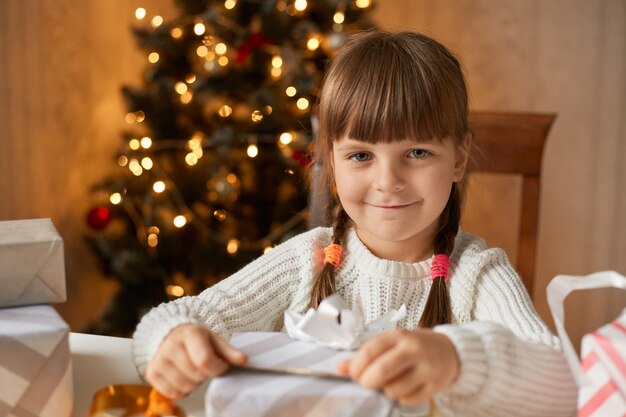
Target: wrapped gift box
(32,268)
(286,377)
(35,371)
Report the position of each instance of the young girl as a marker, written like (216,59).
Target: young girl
(394,142)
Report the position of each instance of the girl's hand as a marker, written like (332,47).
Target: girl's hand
(409,366)
(187,356)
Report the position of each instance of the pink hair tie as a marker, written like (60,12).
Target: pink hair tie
(439,266)
(332,254)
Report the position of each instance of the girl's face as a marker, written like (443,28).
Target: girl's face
(395,192)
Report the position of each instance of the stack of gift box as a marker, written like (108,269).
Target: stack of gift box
(35,371)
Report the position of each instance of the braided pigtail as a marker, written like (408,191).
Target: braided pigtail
(324,284)
(438,309)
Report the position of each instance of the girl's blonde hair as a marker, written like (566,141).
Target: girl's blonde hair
(385,87)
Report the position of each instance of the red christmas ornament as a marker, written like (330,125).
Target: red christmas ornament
(256,40)
(303,159)
(98,217)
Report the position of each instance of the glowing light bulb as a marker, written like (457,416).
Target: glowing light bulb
(286,138)
(302,103)
(146,163)
(180,221)
(176,33)
(275,72)
(223,61)
(153,240)
(230,4)
(133,144)
(158,186)
(252,151)
(256,116)
(199,28)
(175,290)
(362,3)
(156,21)
(267,249)
(300,5)
(153,229)
(140,13)
(191,159)
(277,61)
(180,87)
(190,78)
(122,160)
(232,246)
(339,17)
(186,98)
(146,142)
(131,118)
(153,58)
(115,198)
(313,44)
(220,214)
(225,111)
(291,91)
(220,48)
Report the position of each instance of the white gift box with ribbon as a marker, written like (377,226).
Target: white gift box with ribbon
(35,371)
(32,267)
(295,374)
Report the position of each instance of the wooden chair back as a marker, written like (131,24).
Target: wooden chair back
(513,143)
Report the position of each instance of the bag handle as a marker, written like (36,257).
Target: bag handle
(559,288)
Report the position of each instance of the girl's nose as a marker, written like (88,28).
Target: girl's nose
(388,178)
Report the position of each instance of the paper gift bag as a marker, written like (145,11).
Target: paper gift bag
(286,387)
(32,268)
(601,373)
(35,372)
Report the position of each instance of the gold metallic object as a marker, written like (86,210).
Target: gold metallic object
(128,400)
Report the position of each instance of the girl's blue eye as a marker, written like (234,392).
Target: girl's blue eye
(359,157)
(419,153)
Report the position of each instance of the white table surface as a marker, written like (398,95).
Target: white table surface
(99,361)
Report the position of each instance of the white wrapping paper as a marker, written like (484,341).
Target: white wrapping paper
(286,391)
(35,371)
(32,268)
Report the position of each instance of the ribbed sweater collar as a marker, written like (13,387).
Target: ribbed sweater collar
(361,258)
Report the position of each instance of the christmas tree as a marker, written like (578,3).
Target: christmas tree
(214,164)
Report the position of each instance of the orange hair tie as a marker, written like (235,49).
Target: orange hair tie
(332,254)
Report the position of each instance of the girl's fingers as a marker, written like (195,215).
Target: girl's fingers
(198,346)
(166,387)
(390,365)
(227,352)
(420,394)
(402,385)
(181,359)
(369,352)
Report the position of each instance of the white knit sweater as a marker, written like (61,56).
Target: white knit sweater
(511,364)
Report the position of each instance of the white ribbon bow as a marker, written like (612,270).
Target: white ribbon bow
(335,326)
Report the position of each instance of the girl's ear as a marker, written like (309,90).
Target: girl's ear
(462,157)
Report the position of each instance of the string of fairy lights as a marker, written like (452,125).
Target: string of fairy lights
(214,55)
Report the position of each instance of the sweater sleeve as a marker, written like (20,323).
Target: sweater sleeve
(511,364)
(253,299)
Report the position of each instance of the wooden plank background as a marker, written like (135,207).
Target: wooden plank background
(62,64)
